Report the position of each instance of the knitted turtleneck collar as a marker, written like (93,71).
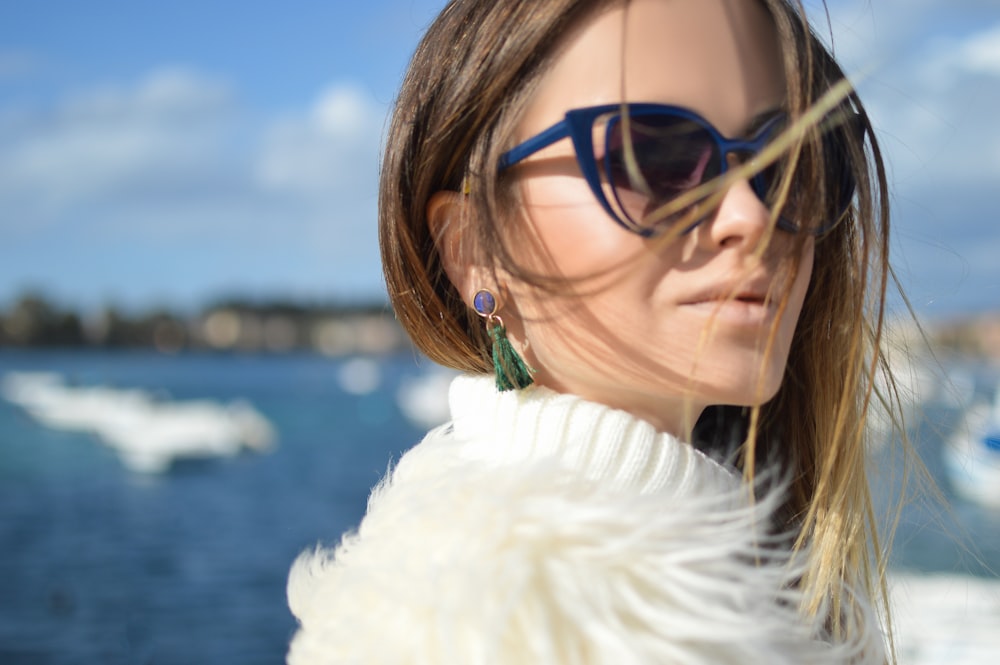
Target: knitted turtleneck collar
(596,441)
(538,527)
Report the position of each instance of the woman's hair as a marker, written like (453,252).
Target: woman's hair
(467,86)
(463,95)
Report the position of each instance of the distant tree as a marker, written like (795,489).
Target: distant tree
(34,321)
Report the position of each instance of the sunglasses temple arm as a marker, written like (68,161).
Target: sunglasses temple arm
(538,142)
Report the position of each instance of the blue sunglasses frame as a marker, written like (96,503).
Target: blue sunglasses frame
(578,125)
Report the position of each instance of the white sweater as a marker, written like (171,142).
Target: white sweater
(540,528)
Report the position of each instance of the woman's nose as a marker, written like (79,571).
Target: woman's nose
(740,220)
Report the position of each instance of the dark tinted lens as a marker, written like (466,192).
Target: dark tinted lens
(671,155)
(819,207)
(767,183)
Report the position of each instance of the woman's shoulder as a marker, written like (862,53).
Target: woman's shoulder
(457,558)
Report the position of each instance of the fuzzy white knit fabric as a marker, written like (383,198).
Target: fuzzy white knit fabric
(541,528)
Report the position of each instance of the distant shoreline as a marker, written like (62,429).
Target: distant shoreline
(239,325)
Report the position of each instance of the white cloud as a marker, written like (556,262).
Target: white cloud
(951,61)
(330,151)
(174,165)
(981,52)
(345,112)
(167,95)
(100,145)
(180,140)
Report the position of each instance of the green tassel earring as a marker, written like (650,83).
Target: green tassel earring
(510,369)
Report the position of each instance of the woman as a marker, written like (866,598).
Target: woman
(653,234)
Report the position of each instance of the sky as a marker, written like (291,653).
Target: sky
(165,154)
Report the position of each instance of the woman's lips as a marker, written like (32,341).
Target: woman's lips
(742,309)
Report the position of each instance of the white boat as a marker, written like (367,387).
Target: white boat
(972,455)
(423,399)
(148,434)
(359,376)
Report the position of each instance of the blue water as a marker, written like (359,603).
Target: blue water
(102,565)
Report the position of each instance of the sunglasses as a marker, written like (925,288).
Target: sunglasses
(638,164)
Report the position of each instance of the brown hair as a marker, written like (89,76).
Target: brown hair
(463,93)
(466,87)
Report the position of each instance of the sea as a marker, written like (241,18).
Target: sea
(100,563)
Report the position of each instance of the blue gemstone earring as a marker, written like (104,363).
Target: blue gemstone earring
(510,369)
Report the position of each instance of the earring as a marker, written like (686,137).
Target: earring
(510,369)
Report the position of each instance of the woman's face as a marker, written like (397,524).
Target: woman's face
(668,328)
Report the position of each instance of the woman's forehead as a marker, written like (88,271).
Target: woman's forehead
(720,58)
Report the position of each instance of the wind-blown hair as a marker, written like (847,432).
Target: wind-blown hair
(465,91)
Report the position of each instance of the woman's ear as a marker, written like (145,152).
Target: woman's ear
(448,223)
